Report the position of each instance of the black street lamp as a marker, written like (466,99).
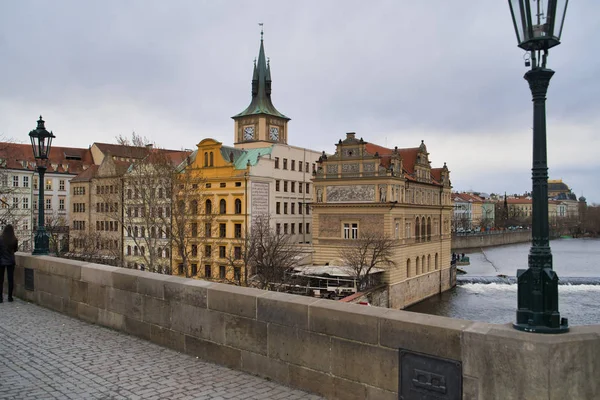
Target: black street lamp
(538,24)
(41,141)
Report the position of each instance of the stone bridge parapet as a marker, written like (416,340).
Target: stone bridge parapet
(337,350)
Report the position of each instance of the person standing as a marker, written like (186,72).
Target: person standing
(8,246)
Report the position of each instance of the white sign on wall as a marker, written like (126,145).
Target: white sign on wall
(260,199)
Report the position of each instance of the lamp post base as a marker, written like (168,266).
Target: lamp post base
(541,328)
(41,243)
(538,302)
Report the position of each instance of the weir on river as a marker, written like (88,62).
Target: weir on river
(488,290)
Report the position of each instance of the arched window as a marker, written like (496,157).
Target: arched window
(206,159)
(429,229)
(238,206)
(417,229)
(128,193)
(408,268)
(423,230)
(160,193)
(417,266)
(143,250)
(135,231)
(159,252)
(222,207)
(194,207)
(208,207)
(428,262)
(135,251)
(166,252)
(153,231)
(128,250)
(212,159)
(436,261)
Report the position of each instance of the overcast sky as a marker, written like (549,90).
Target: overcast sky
(395,72)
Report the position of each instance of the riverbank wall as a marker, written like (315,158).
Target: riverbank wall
(463,243)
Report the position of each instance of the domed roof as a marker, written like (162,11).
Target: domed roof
(582,199)
(558,187)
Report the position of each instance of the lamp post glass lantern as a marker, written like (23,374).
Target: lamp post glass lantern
(41,142)
(538,25)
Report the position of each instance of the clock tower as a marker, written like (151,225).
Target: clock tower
(260,122)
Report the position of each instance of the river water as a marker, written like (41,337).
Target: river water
(481,296)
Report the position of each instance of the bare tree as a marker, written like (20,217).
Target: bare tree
(58,231)
(371,250)
(192,218)
(146,212)
(270,255)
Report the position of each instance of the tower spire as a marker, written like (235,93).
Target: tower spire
(261,86)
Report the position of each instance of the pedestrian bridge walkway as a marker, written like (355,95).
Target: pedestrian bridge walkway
(47,355)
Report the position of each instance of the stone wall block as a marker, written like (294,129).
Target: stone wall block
(98,274)
(574,358)
(156,311)
(348,361)
(55,284)
(57,266)
(300,347)
(78,291)
(19,276)
(97,295)
(71,308)
(167,337)
(50,301)
(111,319)
(137,328)
(429,334)
(344,389)
(509,364)
(126,279)
(313,381)
(198,322)
(233,299)
(284,309)
(265,367)
(87,313)
(213,352)
(187,291)
(380,394)
(151,285)
(126,303)
(350,321)
(246,334)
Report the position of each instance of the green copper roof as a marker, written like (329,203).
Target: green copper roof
(261,89)
(241,157)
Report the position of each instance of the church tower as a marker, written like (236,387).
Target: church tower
(260,122)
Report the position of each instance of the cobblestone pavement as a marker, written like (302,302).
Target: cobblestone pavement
(47,355)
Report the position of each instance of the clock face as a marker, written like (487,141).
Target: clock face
(249,133)
(274,133)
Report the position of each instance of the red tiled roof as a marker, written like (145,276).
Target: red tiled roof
(519,200)
(467,197)
(436,174)
(67,160)
(409,158)
(87,175)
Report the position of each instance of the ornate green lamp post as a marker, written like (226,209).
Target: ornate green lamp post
(538,24)
(41,141)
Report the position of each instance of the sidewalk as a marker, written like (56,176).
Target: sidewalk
(47,355)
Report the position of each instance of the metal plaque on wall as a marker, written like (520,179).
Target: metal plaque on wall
(28,279)
(425,377)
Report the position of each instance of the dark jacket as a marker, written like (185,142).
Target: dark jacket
(7,253)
